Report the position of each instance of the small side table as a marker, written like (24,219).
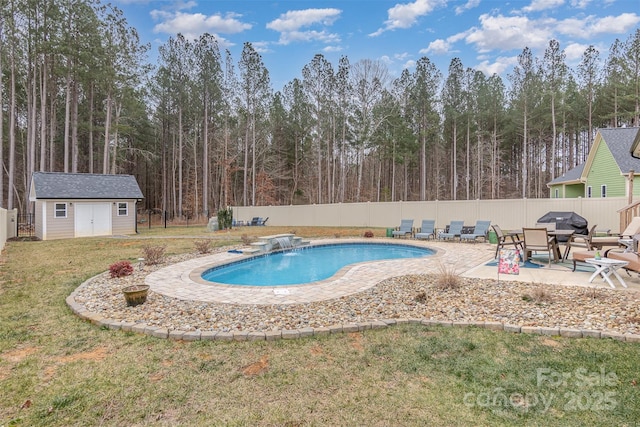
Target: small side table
(606,267)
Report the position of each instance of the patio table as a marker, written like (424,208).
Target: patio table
(553,233)
(605,267)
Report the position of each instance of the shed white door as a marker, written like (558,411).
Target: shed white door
(93,219)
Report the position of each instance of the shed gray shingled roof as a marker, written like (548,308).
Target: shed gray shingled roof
(56,185)
(619,141)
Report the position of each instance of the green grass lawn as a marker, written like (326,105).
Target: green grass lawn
(57,370)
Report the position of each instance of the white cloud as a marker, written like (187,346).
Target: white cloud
(386,60)
(592,26)
(295,19)
(330,49)
(580,4)
(407,14)
(471,4)
(290,23)
(261,47)
(506,33)
(194,24)
(538,5)
(308,36)
(498,66)
(621,24)
(438,47)
(409,64)
(574,51)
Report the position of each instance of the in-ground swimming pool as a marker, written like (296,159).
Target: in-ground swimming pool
(307,264)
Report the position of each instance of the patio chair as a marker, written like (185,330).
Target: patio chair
(537,240)
(455,230)
(550,226)
(427,230)
(406,227)
(480,230)
(632,229)
(579,241)
(506,239)
(631,257)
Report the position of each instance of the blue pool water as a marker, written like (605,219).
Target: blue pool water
(307,264)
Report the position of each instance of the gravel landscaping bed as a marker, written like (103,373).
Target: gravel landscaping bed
(408,297)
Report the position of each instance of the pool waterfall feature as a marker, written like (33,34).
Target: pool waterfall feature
(266,244)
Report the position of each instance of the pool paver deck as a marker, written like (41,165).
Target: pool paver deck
(183,281)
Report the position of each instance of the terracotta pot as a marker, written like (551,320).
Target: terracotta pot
(136,294)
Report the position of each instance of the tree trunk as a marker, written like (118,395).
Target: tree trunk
(107,125)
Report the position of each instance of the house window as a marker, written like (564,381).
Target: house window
(557,196)
(589,192)
(123,208)
(60,210)
(603,190)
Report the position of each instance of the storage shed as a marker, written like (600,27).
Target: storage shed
(82,205)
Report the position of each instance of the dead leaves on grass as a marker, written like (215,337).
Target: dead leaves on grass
(256,368)
(19,354)
(356,341)
(97,354)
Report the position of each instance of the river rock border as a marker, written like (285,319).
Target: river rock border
(178,335)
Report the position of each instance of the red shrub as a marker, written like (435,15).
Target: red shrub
(120,269)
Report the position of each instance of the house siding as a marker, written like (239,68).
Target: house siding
(92,204)
(123,224)
(605,171)
(64,228)
(58,228)
(636,186)
(552,191)
(575,191)
(567,191)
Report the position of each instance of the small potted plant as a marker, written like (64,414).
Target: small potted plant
(134,294)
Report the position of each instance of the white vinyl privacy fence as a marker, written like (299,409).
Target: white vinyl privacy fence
(509,214)
(8,218)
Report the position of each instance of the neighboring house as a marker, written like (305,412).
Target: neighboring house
(81,205)
(606,171)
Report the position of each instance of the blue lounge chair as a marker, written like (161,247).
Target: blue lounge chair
(480,230)
(258,221)
(455,230)
(406,227)
(427,230)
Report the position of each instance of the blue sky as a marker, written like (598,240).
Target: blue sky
(487,35)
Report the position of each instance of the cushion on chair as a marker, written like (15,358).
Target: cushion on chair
(632,258)
(583,255)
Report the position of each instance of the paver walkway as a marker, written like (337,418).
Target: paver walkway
(183,280)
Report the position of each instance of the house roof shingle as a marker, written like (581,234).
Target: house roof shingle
(57,185)
(619,142)
(570,175)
